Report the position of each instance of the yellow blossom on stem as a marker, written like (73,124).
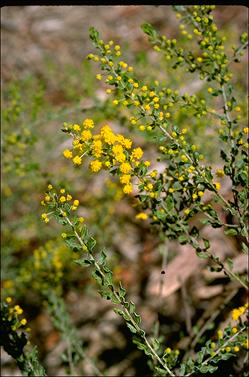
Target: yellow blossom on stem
(95,166)
(67,153)
(125,179)
(125,168)
(127,189)
(77,160)
(217,185)
(88,123)
(137,153)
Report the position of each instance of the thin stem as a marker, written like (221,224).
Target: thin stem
(70,359)
(139,330)
(242,47)
(220,348)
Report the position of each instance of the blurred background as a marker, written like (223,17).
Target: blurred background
(46,81)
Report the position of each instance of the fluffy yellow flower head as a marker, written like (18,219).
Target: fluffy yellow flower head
(88,123)
(95,166)
(125,168)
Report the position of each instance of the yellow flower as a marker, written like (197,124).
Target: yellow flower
(44,217)
(50,187)
(220,173)
(23,321)
(18,310)
(67,154)
(77,160)
(95,166)
(76,127)
(98,76)
(88,123)
(142,216)
(81,219)
(167,350)
(234,330)
(86,135)
(108,135)
(125,179)
(125,168)
(62,199)
(194,196)
(228,349)
(236,349)
(69,197)
(8,300)
(184,158)
(220,334)
(147,163)
(187,211)
(127,189)
(236,313)
(246,130)
(76,202)
(117,149)
(246,344)
(97,148)
(153,174)
(217,185)
(137,153)
(200,193)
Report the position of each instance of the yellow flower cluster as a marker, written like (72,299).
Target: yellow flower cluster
(237,313)
(109,150)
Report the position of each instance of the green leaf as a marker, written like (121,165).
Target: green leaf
(132,328)
(182,370)
(202,254)
(230,263)
(169,202)
(183,240)
(97,276)
(137,318)
(102,257)
(122,291)
(149,30)
(93,34)
(91,243)
(83,262)
(245,248)
(122,314)
(131,307)
(73,244)
(200,355)
(206,243)
(231,232)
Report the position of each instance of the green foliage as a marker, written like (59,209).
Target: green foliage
(14,339)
